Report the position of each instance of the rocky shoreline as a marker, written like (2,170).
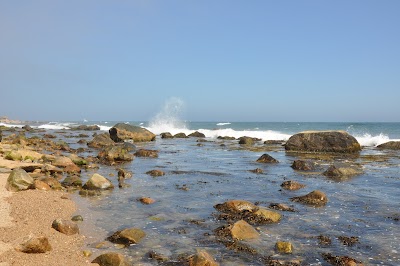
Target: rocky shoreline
(38,171)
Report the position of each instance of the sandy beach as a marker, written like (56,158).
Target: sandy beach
(30,213)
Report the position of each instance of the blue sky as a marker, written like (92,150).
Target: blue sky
(230,60)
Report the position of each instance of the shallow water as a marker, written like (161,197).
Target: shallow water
(197,178)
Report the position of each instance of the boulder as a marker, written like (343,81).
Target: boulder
(241,230)
(72,181)
(98,182)
(127,236)
(111,259)
(197,134)
(101,141)
(18,180)
(121,132)
(52,182)
(246,141)
(315,198)
(155,173)
(303,165)
(147,153)
(292,185)
(235,206)
(202,258)
(166,135)
(265,158)
(86,127)
(180,136)
(284,247)
(323,141)
(115,154)
(40,185)
(391,145)
(66,227)
(262,216)
(341,170)
(62,161)
(36,245)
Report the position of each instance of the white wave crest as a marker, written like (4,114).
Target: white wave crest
(11,125)
(104,128)
(372,141)
(223,124)
(56,126)
(264,135)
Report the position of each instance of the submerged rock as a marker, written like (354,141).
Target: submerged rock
(340,260)
(281,207)
(303,165)
(65,226)
(235,206)
(147,200)
(36,245)
(72,181)
(315,198)
(284,247)
(86,127)
(127,236)
(121,132)
(391,145)
(98,182)
(155,173)
(147,153)
(335,171)
(19,180)
(202,258)
(257,171)
(265,158)
(226,138)
(323,141)
(111,259)
(241,230)
(292,185)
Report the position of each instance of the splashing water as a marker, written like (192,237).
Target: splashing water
(169,118)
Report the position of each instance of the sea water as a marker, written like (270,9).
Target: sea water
(197,177)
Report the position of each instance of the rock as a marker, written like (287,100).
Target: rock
(292,185)
(36,245)
(246,141)
(340,260)
(129,146)
(147,153)
(348,240)
(77,160)
(98,182)
(202,258)
(235,206)
(274,142)
(52,182)
(315,198)
(337,171)
(262,216)
(281,207)
(86,127)
(284,247)
(127,236)
(180,136)
(160,254)
(65,226)
(87,253)
(72,168)
(391,145)
(111,259)
(323,141)
(62,161)
(226,138)
(124,173)
(147,200)
(265,158)
(82,141)
(77,218)
(72,181)
(101,141)
(40,185)
(27,128)
(13,156)
(241,230)
(155,173)
(112,154)
(302,165)
(197,134)
(166,135)
(121,132)
(18,180)
(257,171)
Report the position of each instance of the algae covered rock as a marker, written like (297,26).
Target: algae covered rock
(391,145)
(101,141)
(65,226)
(121,132)
(98,182)
(127,236)
(315,198)
(284,247)
(115,154)
(111,259)
(19,180)
(265,158)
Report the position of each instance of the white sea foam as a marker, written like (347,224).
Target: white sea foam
(264,135)
(104,128)
(11,125)
(372,141)
(223,124)
(56,125)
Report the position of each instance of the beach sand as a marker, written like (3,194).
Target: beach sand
(31,213)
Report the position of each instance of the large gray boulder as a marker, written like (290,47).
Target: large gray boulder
(19,180)
(121,132)
(323,141)
(391,145)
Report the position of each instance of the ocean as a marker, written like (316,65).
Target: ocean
(200,175)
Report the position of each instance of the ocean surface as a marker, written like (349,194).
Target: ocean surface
(197,177)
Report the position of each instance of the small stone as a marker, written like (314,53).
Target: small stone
(98,182)
(147,200)
(284,247)
(65,226)
(146,153)
(315,198)
(265,158)
(77,218)
(302,165)
(111,259)
(202,258)
(235,206)
(257,171)
(241,230)
(155,173)
(292,185)
(127,236)
(36,245)
(87,253)
(40,185)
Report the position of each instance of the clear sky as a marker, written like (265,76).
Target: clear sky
(227,60)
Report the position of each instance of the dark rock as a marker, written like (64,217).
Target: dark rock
(18,180)
(147,153)
(155,173)
(160,254)
(36,245)
(98,182)
(127,236)
(112,154)
(292,185)
(324,240)
(101,141)
(197,134)
(121,132)
(323,141)
(202,258)
(315,198)
(180,136)
(77,218)
(124,173)
(82,141)
(49,136)
(111,259)
(340,260)
(281,207)
(265,158)
(226,138)
(391,145)
(246,141)
(129,146)
(302,165)
(274,142)
(257,171)
(348,240)
(27,128)
(166,135)
(235,206)
(86,127)
(65,226)
(341,170)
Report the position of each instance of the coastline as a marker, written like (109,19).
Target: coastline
(30,213)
